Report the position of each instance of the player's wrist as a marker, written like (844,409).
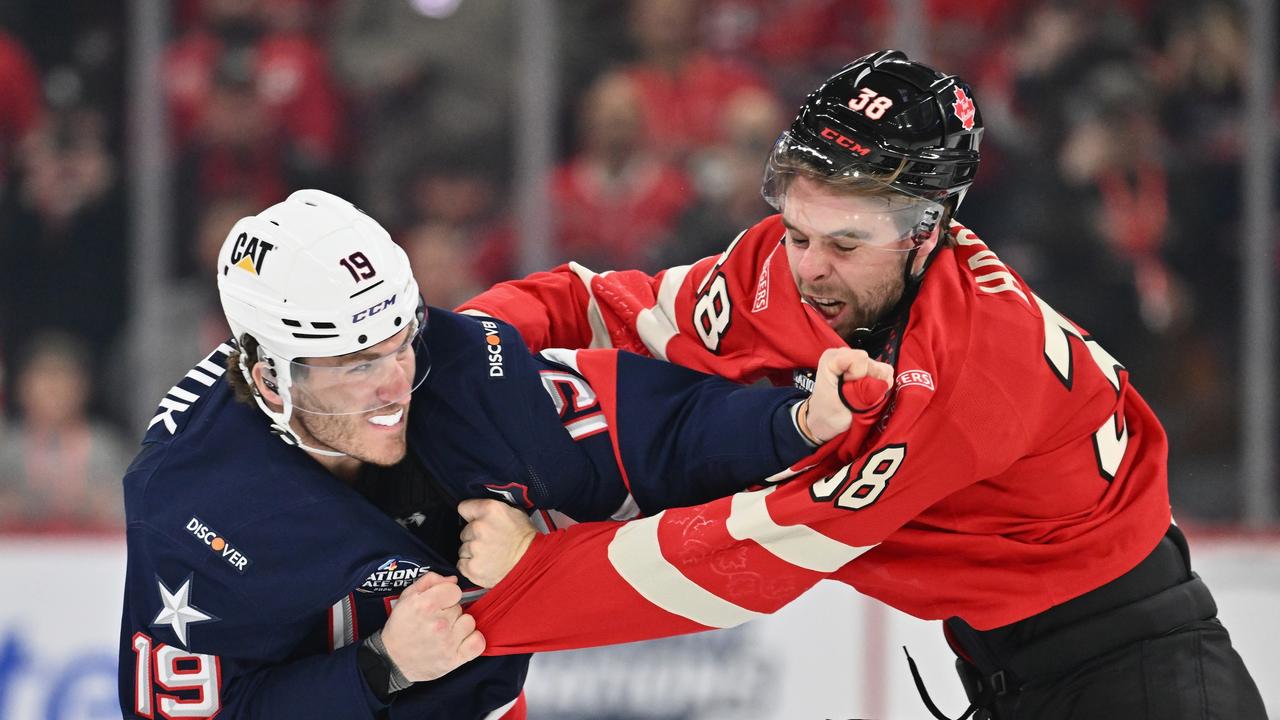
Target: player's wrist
(378,668)
(802,423)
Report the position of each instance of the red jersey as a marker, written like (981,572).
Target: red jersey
(1012,466)
(684,108)
(291,79)
(644,208)
(20,88)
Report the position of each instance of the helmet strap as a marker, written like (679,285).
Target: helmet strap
(872,338)
(280,426)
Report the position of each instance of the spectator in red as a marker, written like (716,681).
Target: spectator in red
(440,255)
(681,86)
(255,112)
(287,72)
(21,106)
(797,41)
(59,469)
(726,178)
(615,200)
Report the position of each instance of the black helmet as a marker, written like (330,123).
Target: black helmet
(884,116)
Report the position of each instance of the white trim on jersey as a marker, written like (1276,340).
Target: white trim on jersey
(627,510)
(657,325)
(563,356)
(599,331)
(589,425)
(342,630)
(497,714)
(799,545)
(785,474)
(637,557)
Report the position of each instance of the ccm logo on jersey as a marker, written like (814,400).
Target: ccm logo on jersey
(249,253)
(391,576)
(914,377)
(218,544)
(494,347)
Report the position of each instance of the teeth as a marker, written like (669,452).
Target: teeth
(387,420)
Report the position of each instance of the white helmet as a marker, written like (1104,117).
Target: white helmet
(314,277)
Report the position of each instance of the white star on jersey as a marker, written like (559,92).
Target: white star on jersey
(178,612)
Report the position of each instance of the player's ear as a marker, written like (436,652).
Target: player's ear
(266,386)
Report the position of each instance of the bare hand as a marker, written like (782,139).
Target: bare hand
(427,634)
(495,538)
(828,412)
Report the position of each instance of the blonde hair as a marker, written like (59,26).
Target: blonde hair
(862,183)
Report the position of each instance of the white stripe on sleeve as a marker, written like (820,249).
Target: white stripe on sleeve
(637,556)
(599,332)
(657,325)
(799,545)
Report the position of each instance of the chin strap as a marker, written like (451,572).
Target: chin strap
(869,338)
(290,437)
(280,420)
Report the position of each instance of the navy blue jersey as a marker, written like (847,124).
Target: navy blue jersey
(253,573)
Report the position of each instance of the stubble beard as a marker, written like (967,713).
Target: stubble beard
(864,309)
(339,432)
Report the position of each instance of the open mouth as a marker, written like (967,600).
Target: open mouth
(827,306)
(388,421)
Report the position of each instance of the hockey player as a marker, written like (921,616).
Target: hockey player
(1012,485)
(292,534)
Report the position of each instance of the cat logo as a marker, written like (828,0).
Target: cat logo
(249,253)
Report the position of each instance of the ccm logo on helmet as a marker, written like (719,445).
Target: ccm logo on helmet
(844,142)
(249,253)
(494,347)
(371,311)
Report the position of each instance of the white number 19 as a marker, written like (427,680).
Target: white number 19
(174,669)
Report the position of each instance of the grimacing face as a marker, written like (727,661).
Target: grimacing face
(373,436)
(848,252)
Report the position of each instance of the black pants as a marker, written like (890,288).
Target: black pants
(1146,646)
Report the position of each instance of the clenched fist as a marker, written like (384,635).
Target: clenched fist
(846,381)
(427,634)
(495,538)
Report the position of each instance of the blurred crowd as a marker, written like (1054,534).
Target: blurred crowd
(1110,180)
